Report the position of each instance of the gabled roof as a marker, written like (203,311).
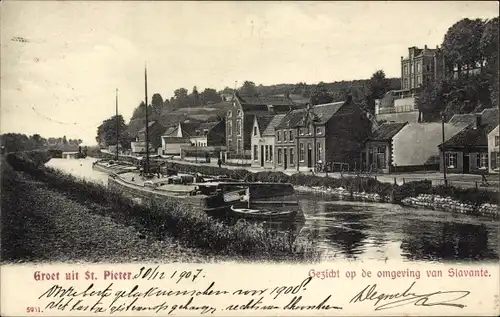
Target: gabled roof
(468,137)
(269,131)
(260,104)
(188,128)
(171,131)
(387,131)
(321,113)
(489,115)
(263,122)
(467,119)
(150,124)
(176,140)
(199,130)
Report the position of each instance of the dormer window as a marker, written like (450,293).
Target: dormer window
(254,130)
(229,114)
(318,130)
(205,132)
(239,113)
(301,131)
(278,136)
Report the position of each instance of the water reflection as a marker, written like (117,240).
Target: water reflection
(446,241)
(372,231)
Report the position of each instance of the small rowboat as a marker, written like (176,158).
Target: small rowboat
(257,214)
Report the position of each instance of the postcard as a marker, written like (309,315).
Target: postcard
(246,158)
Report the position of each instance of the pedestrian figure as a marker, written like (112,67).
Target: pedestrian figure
(219,162)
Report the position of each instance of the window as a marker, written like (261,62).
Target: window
(266,157)
(419,80)
(301,131)
(451,159)
(284,135)
(406,84)
(318,151)
(270,153)
(254,130)
(405,69)
(229,128)
(239,113)
(301,152)
(278,136)
(255,153)
(279,156)
(291,156)
(318,130)
(429,67)
(238,126)
(229,114)
(229,144)
(412,68)
(482,160)
(238,146)
(291,135)
(418,67)
(495,160)
(496,140)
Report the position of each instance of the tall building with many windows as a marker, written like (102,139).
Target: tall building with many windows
(420,66)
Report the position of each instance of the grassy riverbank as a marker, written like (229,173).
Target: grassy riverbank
(37,200)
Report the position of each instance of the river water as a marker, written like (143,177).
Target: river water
(356,230)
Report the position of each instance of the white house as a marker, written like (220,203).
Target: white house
(493,150)
(262,140)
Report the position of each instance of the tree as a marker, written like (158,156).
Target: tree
(377,87)
(194,98)
(489,49)
(248,89)
(429,101)
(157,105)
(106,132)
(461,45)
(140,112)
(209,96)
(320,95)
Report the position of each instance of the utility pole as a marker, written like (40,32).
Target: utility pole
(117,124)
(146,165)
(442,149)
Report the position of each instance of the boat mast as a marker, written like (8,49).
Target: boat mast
(117,124)
(146,163)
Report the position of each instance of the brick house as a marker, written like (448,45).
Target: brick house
(493,150)
(263,140)
(333,132)
(467,151)
(209,134)
(379,147)
(240,121)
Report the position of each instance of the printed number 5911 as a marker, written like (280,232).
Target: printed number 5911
(32,309)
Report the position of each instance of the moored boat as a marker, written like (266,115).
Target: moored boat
(222,200)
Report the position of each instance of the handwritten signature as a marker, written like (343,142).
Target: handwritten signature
(439,298)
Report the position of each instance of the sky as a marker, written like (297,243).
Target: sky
(62,61)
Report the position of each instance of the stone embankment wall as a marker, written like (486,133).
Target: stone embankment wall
(433,202)
(341,193)
(447,204)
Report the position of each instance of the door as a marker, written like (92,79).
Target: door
(466,164)
(261,155)
(309,155)
(285,160)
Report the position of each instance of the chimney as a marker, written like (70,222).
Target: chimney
(477,123)
(425,46)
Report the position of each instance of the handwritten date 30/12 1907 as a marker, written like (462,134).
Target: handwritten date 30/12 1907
(178,290)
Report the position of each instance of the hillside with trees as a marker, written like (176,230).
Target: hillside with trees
(471,78)
(469,46)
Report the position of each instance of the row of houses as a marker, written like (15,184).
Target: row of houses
(275,133)
(342,134)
